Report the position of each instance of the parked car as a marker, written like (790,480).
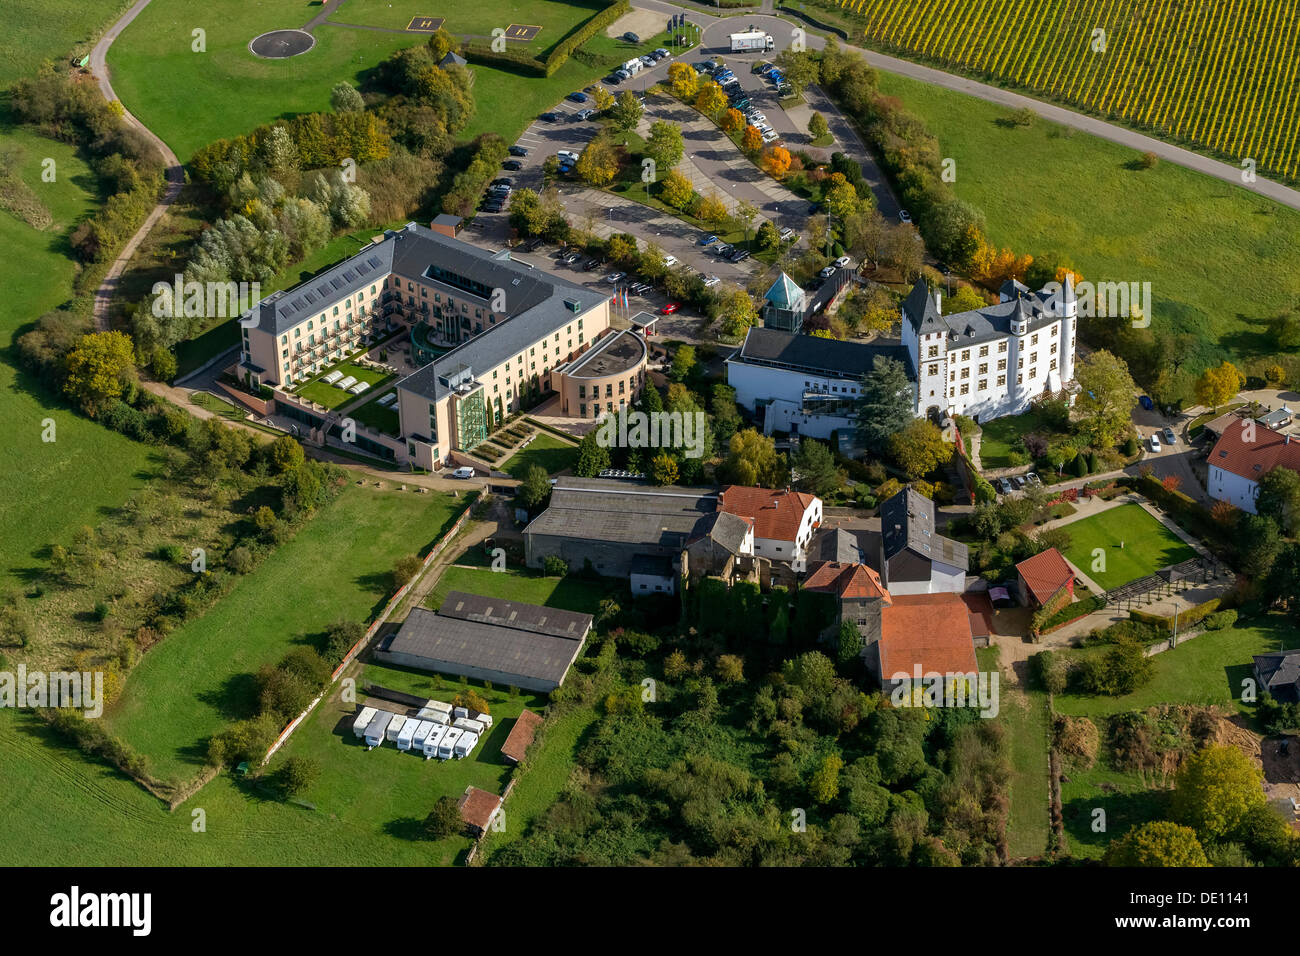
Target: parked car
(583,115)
(704,67)
(711,280)
(518,150)
(620,75)
(1155,444)
(904,216)
(827,272)
(1033,479)
(503,181)
(843,262)
(631,37)
(648,60)
(787,234)
(740,255)
(567,154)
(670,260)
(616,277)
(771,135)
(706,240)
(549,117)
(662,52)
(1170,438)
(577,97)
(669,308)
(571,258)
(463,473)
(1004,486)
(723,250)
(1018,481)
(513,165)
(756,117)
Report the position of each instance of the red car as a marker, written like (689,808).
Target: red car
(669,309)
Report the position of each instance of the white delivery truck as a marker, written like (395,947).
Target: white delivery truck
(750,41)
(447,746)
(377,729)
(421,735)
(363,721)
(407,733)
(465,744)
(432,741)
(469,724)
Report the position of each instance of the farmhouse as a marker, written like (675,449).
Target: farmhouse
(783,521)
(482,638)
(1042,578)
(914,559)
(491,331)
(1245,453)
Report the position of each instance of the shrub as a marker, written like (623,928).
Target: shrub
(297,774)
(1077,737)
(555,566)
(1220,620)
(444,820)
(406,568)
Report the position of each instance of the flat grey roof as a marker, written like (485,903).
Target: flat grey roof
(812,355)
(528,617)
(609,356)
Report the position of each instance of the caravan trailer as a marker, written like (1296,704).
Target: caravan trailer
(432,741)
(376,730)
(407,733)
(465,744)
(469,725)
(460,712)
(421,735)
(447,746)
(436,710)
(364,717)
(395,728)
(484,719)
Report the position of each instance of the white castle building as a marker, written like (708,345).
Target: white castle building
(995,360)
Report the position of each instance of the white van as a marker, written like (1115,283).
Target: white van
(447,746)
(359,725)
(463,473)
(432,741)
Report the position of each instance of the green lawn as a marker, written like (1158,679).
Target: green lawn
(49,487)
(1052,192)
(1000,437)
(1208,669)
(323,394)
(218,406)
(1127,798)
(36,30)
(336,568)
(377,416)
(553,454)
(571,592)
(1133,542)
(1026,718)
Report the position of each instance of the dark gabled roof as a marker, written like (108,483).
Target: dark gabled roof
(842,546)
(813,355)
(919,307)
(907,525)
(1280,673)
(653,565)
(635,515)
(727,530)
(986,324)
(526,617)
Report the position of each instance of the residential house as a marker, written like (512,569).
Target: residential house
(914,558)
(783,520)
(1279,674)
(1245,452)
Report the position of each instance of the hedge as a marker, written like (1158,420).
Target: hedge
(560,54)
(1186,619)
(1071,612)
(508,60)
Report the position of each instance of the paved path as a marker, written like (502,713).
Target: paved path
(175,172)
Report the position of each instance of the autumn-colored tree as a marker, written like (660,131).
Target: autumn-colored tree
(676,190)
(684,80)
(1216,788)
(603,97)
(663,469)
(711,209)
(752,140)
(99,367)
(825,783)
(711,100)
(441,42)
(735,311)
(841,200)
(1157,843)
(752,460)
(919,448)
(776,160)
(598,164)
(1218,385)
(733,121)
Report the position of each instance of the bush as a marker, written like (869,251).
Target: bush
(1121,670)
(555,566)
(297,774)
(1220,620)
(444,820)
(406,568)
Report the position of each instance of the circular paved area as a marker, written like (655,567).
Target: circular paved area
(280,44)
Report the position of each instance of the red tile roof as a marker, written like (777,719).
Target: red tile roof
(929,630)
(775,515)
(981,612)
(846,581)
(521,735)
(1253,459)
(1045,574)
(477,807)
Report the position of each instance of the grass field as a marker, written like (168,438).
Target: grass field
(1217,75)
(1168,226)
(36,30)
(1133,542)
(1025,712)
(571,593)
(1000,437)
(377,416)
(324,394)
(1208,669)
(49,488)
(1128,799)
(551,453)
(337,568)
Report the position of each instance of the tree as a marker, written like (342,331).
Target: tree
(886,403)
(735,310)
(625,114)
(743,215)
(1285,331)
(1279,498)
(776,160)
(598,164)
(683,362)
(731,669)
(1217,787)
(1107,396)
(817,126)
(285,454)
(684,80)
(441,42)
(799,69)
(1258,543)
(919,448)
(676,190)
(344,98)
(593,457)
(711,100)
(663,469)
(603,97)
(665,145)
(816,469)
(769,237)
(711,209)
(535,487)
(444,820)
(1217,386)
(406,568)
(751,141)
(98,370)
(1157,843)
(733,121)
(849,646)
(752,460)
(297,774)
(825,782)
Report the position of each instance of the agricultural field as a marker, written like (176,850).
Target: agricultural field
(1134,543)
(1217,75)
(338,567)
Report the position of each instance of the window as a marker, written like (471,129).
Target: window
(965,355)
(1002,346)
(1053,348)
(1033,340)
(1002,365)
(1002,380)
(1053,365)
(1020,362)
(965,373)
(934,352)
(965,388)
(984,351)
(582,410)
(1020,379)
(934,370)
(984,383)
(984,368)
(1033,357)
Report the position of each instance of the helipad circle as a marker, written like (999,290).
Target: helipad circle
(281,44)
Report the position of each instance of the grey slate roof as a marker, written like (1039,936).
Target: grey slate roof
(815,356)
(842,546)
(446,642)
(635,515)
(907,526)
(726,529)
(282,310)
(528,617)
(1280,674)
(987,324)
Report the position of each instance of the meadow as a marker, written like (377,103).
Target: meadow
(1216,75)
(1191,237)
(337,568)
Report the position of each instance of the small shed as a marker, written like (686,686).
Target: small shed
(520,736)
(478,809)
(1040,578)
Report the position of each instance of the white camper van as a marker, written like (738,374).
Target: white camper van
(469,724)
(363,720)
(465,744)
(484,719)
(421,735)
(432,741)
(447,746)
(407,733)
(377,729)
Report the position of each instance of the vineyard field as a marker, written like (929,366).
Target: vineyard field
(1222,75)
